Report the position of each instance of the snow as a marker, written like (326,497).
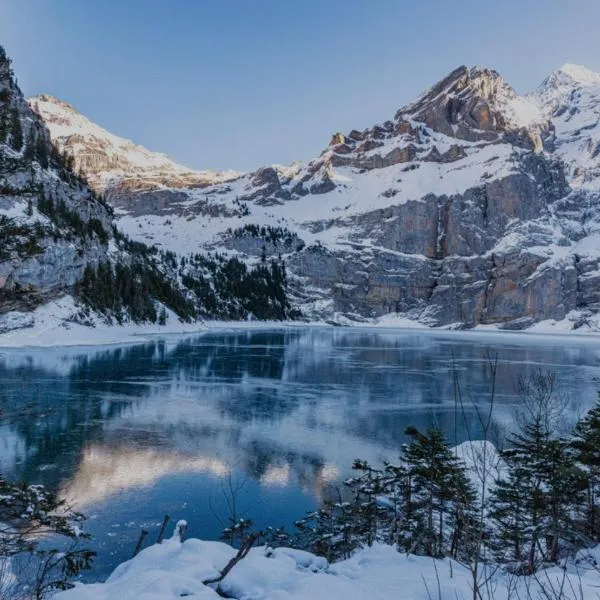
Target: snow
(356,193)
(572,75)
(172,570)
(52,325)
(67,125)
(483,462)
(523,111)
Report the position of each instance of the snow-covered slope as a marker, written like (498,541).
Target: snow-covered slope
(473,205)
(58,239)
(171,570)
(51,224)
(570,98)
(111,162)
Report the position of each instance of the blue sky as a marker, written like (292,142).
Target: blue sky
(238,84)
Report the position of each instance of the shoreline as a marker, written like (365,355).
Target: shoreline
(51,331)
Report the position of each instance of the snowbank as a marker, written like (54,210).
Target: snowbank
(173,570)
(483,462)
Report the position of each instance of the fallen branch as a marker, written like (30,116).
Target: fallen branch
(241,554)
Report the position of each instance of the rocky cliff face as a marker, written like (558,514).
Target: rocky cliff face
(51,224)
(473,205)
(57,238)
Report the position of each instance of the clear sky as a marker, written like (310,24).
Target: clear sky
(242,83)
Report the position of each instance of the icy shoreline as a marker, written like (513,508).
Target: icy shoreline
(51,326)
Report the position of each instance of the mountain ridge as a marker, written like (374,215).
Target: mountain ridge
(59,245)
(467,208)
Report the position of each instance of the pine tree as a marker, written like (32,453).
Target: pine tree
(586,444)
(438,494)
(162,317)
(534,502)
(332,531)
(563,497)
(368,514)
(16,131)
(30,145)
(41,151)
(3,125)
(511,514)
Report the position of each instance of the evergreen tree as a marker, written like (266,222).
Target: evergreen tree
(438,495)
(162,317)
(586,444)
(3,125)
(30,145)
(534,502)
(16,131)
(41,151)
(369,516)
(332,531)
(512,514)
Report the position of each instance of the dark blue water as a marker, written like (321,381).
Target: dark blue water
(131,433)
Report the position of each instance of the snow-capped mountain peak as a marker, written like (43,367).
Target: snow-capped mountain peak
(570,98)
(571,75)
(106,158)
(473,103)
(472,205)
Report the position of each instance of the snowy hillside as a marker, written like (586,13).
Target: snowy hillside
(60,249)
(472,206)
(570,98)
(172,570)
(111,162)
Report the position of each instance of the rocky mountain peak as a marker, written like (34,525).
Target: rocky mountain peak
(473,104)
(114,165)
(570,97)
(569,76)
(466,82)
(47,99)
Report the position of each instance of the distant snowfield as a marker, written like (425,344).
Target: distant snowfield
(173,570)
(51,325)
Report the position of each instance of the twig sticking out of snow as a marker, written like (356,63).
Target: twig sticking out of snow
(161,533)
(140,543)
(241,554)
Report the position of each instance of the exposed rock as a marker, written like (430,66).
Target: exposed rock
(115,166)
(473,206)
(337,138)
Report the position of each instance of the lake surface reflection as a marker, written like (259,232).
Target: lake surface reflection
(135,432)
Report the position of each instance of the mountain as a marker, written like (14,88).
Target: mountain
(114,166)
(570,99)
(58,237)
(473,205)
(51,224)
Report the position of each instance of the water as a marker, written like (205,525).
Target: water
(131,433)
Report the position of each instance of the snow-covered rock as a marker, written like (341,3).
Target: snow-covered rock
(42,253)
(472,206)
(113,164)
(171,570)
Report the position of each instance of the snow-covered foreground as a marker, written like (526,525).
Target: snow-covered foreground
(173,570)
(53,324)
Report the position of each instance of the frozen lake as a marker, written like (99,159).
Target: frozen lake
(131,433)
